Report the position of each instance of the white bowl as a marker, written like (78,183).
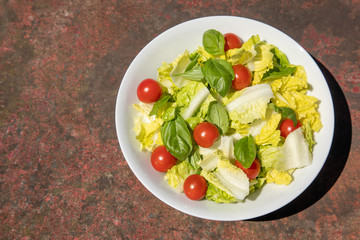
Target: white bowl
(188,36)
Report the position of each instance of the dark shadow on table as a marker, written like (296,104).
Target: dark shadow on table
(335,162)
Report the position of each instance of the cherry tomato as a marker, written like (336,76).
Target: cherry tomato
(205,134)
(253,171)
(161,159)
(242,78)
(195,187)
(149,91)
(232,41)
(287,126)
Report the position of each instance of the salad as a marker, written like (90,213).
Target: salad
(227,118)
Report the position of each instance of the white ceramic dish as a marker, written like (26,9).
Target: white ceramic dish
(188,35)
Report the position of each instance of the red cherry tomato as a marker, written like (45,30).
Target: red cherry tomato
(242,78)
(205,134)
(195,187)
(287,126)
(161,159)
(149,91)
(232,41)
(253,171)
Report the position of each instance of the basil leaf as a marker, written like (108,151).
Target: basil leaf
(194,74)
(219,74)
(274,107)
(159,104)
(193,70)
(193,63)
(218,116)
(280,57)
(213,42)
(245,151)
(194,160)
(278,72)
(176,137)
(286,112)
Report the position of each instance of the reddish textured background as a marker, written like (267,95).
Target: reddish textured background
(63,175)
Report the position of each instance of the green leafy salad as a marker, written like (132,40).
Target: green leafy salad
(227,118)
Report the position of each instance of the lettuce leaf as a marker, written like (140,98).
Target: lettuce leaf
(304,105)
(232,95)
(278,177)
(193,100)
(210,161)
(167,73)
(203,109)
(204,55)
(243,129)
(228,178)
(296,151)
(222,148)
(269,133)
(309,135)
(264,57)
(295,82)
(217,195)
(263,61)
(179,66)
(194,121)
(281,58)
(251,104)
(185,94)
(148,134)
(256,184)
(251,42)
(176,175)
(269,156)
(147,128)
(291,91)
(233,178)
(240,56)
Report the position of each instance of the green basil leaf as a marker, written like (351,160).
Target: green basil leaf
(193,63)
(219,74)
(280,57)
(193,70)
(177,138)
(213,42)
(274,107)
(278,72)
(218,116)
(245,150)
(194,160)
(286,112)
(194,74)
(159,104)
